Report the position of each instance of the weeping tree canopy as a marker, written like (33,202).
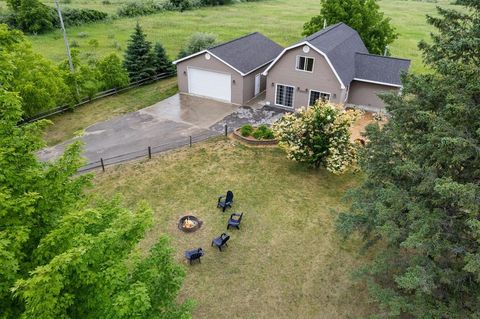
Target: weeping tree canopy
(420,201)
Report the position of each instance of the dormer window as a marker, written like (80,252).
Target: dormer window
(305,64)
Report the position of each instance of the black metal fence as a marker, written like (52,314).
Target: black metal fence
(149,151)
(97,96)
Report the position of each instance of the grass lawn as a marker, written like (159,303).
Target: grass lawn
(69,124)
(285,262)
(282,20)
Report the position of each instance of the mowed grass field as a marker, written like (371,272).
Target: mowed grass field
(281,20)
(286,261)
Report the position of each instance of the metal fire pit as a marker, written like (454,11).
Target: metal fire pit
(189,224)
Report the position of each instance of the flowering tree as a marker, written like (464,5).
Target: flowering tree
(319,136)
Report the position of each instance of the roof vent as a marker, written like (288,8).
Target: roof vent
(207,56)
(306,49)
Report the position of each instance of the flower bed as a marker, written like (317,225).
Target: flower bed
(257,136)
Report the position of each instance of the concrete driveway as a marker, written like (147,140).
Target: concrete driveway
(166,123)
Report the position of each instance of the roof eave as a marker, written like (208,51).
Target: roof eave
(212,54)
(378,82)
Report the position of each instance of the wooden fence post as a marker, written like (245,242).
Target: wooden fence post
(149,152)
(103,164)
(190,141)
(226,130)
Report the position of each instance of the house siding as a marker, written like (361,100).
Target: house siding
(365,95)
(214,65)
(322,78)
(249,84)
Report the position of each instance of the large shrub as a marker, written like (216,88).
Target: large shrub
(198,42)
(318,136)
(111,71)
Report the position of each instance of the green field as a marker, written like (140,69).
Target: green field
(286,261)
(280,20)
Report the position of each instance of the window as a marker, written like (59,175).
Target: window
(305,64)
(284,95)
(315,96)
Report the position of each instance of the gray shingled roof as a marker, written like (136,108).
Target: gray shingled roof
(340,43)
(248,53)
(380,68)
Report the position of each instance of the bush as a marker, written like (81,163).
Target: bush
(263,132)
(318,136)
(246,130)
(73,17)
(134,9)
(198,42)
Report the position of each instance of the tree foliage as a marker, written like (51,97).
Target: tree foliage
(362,15)
(162,62)
(318,136)
(198,42)
(112,73)
(139,59)
(37,80)
(64,255)
(421,195)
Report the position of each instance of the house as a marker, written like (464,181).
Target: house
(332,64)
(230,72)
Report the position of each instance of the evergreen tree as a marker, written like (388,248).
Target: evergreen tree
(139,59)
(420,200)
(362,15)
(162,62)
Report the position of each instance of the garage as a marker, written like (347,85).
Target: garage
(210,84)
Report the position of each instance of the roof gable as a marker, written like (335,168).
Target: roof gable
(340,43)
(245,54)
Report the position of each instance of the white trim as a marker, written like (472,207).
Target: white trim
(347,94)
(261,66)
(376,82)
(189,57)
(206,51)
(311,46)
(321,92)
(293,96)
(306,57)
(229,65)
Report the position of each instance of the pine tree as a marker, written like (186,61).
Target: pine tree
(139,59)
(421,197)
(162,62)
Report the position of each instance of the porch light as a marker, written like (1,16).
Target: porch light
(184,72)
(273,84)
(233,81)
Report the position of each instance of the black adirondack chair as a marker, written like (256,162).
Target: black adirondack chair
(221,241)
(225,202)
(193,255)
(235,220)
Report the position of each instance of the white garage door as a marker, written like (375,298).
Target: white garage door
(210,84)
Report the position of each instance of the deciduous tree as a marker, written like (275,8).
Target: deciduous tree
(362,15)
(112,73)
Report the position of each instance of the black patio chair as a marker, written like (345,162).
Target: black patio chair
(225,202)
(235,220)
(193,255)
(221,241)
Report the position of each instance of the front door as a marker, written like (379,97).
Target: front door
(258,81)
